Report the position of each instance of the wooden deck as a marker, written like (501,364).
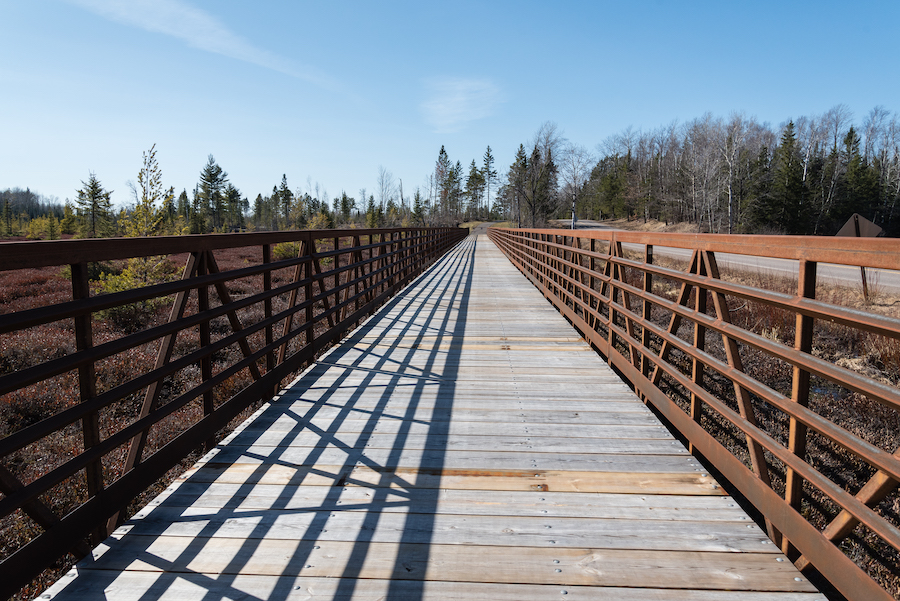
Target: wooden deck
(464,443)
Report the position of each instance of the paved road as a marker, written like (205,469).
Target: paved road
(879,280)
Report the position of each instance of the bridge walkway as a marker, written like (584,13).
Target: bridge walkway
(464,443)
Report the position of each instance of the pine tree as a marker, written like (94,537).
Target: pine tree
(442,171)
(285,200)
(7,218)
(95,207)
(154,205)
(858,190)
(489,174)
(346,205)
(372,214)
(69,223)
(234,207)
(516,183)
(788,193)
(474,190)
(184,205)
(212,187)
(198,213)
(418,212)
(52,227)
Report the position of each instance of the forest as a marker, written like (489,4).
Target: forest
(722,175)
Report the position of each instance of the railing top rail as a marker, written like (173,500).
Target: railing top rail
(47,253)
(883,253)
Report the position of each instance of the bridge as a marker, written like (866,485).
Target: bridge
(515,423)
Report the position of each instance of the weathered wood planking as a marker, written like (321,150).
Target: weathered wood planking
(461,444)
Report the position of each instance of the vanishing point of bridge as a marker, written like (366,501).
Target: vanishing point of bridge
(463,443)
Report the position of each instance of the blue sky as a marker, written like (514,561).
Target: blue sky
(329,92)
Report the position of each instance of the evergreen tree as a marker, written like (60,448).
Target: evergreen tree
(285,200)
(540,186)
(475,184)
(69,224)
(95,207)
(516,178)
(184,205)
(234,207)
(418,212)
(346,206)
(154,205)
(211,193)
(442,170)
(489,174)
(198,213)
(782,205)
(373,213)
(259,207)
(858,190)
(7,218)
(453,183)
(52,228)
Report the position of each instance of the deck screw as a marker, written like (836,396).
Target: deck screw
(558,570)
(555,561)
(798,579)
(779,559)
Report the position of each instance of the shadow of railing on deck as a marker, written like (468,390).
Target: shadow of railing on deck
(303,484)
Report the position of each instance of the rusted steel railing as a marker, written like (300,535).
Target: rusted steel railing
(246,329)
(671,329)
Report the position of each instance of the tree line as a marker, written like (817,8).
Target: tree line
(734,175)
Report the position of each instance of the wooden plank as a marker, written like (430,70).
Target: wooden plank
(687,508)
(459,442)
(468,563)
(635,415)
(188,586)
(687,483)
(450,529)
(483,428)
(425,459)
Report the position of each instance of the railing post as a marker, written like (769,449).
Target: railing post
(87,384)
(793,494)
(700,345)
(205,340)
(646,308)
(267,310)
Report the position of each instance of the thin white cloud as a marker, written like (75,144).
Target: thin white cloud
(197,28)
(455,102)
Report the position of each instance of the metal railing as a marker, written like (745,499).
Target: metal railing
(670,328)
(230,339)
